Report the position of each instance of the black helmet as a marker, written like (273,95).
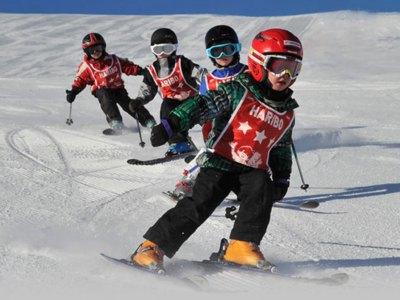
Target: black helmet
(92,39)
(163,35)
(221,33)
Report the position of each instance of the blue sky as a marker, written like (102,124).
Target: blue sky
(166,7)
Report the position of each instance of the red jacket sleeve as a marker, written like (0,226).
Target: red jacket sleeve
(83,77)
(128,67)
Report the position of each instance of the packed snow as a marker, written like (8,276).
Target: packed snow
(67,193)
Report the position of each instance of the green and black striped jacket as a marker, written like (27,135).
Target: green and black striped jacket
(219,106)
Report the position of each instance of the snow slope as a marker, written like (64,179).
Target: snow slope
(67,193)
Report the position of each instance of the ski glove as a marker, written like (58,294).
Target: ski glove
(280,189)
(161,133)
(72,94)
(139,70)
(134,105)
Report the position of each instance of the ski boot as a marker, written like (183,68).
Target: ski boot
(241,253)
(178,148)
(149,256)
(117,128)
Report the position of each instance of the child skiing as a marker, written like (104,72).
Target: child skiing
(176,76)
(222,47)
(252,129)
(104,73)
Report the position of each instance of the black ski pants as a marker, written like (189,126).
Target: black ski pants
(166,107)
(211,188)
(109,99)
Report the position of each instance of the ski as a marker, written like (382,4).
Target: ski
(306,204)
(172,196)
(194,282)
(189,158)
(160,160)
(216,261)
(333,280)
(110,131)
(311,204)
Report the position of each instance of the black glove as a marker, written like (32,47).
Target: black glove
(161,133)
(72,94)
(139,70)
(134,105)
(280,189)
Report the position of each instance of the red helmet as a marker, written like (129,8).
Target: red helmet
(273,41)
(92,39)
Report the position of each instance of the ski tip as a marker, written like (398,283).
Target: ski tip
(132,161)
(310,204)
(189,158)
(171,196)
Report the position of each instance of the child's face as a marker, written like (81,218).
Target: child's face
(279,83)
(96,55)
(224,60)
(163,55)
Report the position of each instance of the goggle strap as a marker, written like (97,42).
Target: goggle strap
(255,58)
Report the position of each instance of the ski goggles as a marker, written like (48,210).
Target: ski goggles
(278,65)
(228,49)
(95,48)
(159,49)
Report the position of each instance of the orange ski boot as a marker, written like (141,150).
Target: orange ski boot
(149,256)
(245,253)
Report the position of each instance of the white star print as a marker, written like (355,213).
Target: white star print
(260,136)
(244,127)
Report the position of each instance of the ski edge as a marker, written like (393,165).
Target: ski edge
(311,204)
(336,279)
(194,282)
(150,162)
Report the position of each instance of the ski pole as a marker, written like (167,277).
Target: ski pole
(304,186)
(140,132)
(69,120)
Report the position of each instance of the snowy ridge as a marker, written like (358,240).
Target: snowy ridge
(68,194)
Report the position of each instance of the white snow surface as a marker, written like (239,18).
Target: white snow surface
(68,194)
